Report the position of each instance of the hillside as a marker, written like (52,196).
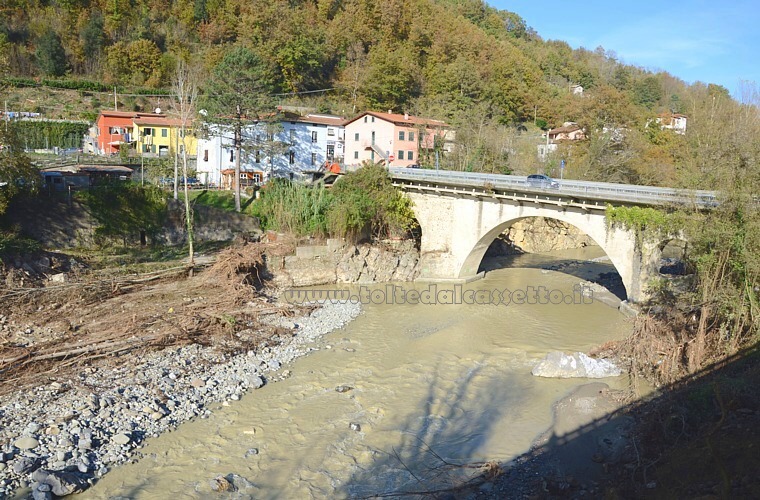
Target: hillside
(482,69)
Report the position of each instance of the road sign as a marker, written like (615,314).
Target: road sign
(391,158)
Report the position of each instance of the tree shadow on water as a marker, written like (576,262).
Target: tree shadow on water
(438,443)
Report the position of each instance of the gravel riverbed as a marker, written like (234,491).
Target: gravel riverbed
(57,439)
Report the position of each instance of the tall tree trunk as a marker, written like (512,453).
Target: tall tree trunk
(176,173)
(188,213)
(238,141)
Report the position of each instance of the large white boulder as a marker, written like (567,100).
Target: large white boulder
(560,365)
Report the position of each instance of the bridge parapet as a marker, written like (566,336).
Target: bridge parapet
(594,193)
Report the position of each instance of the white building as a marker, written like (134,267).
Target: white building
(285,148)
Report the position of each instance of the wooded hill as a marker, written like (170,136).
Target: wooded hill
(482,69)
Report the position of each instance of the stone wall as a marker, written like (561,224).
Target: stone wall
(336,263)
(58,224)
(539,235)
(211,224)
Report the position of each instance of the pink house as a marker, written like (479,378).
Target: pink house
(395,139)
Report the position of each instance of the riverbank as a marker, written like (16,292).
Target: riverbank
(87,425)
(99,416)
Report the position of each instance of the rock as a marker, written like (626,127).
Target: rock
(25,465)
(256,382)
(40,493)
(355,427)
(560,365)
(58,278)
(121,439)
(197,383)
(274,364)
(66,483)
(251,452)
(26,443)
(221,483)
(343,388)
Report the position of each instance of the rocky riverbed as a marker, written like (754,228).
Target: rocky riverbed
(58,438)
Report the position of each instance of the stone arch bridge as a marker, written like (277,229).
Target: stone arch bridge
(461,213)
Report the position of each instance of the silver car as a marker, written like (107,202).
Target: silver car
(542,181)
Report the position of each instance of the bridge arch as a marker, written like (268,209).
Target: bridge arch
(476,255)
(457,231)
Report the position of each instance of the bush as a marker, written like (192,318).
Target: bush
(301,210)
(366,200)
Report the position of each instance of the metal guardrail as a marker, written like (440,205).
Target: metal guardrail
(630,193)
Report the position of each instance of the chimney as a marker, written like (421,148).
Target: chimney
(390,111)
(406,116)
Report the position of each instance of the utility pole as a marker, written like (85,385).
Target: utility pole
(115,104)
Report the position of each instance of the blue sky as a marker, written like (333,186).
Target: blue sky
(695,40)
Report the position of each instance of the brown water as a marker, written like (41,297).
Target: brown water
(454,379)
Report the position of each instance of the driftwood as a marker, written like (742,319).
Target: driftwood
(89,347)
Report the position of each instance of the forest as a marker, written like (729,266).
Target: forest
(483,70)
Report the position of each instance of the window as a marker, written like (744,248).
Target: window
(292,135)
(257,177)
(400,155)
(410,155)
(411,136)
(365,119)
(356,155)
(401,135)
(291,157)
(147,131)
(232,155)
(356,136)
(330,132)
(205,155)
(164,132)
(314,136)
(314,158)
(258,156)
(373,119)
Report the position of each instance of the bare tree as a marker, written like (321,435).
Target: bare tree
(185,92)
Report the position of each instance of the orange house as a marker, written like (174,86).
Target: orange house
(398,140)
(115,129)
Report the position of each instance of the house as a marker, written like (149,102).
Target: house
(115,130)
(162,136)
(576,89)
(396,139)
(569,131)
(675,122)
(287,147)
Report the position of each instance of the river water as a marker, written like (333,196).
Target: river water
(428,383)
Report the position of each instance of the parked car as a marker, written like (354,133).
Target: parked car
(542,181)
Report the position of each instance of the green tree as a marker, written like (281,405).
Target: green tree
(93,37)
(17,174)
(51,57)
(238,93)
(647,92)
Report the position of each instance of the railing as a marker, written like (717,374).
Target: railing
(631,193)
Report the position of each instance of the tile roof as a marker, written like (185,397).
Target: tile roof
(158,120)
(400,119)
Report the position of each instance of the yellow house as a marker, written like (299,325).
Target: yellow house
(162,136)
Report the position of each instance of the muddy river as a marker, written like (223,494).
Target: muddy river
(422,384)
